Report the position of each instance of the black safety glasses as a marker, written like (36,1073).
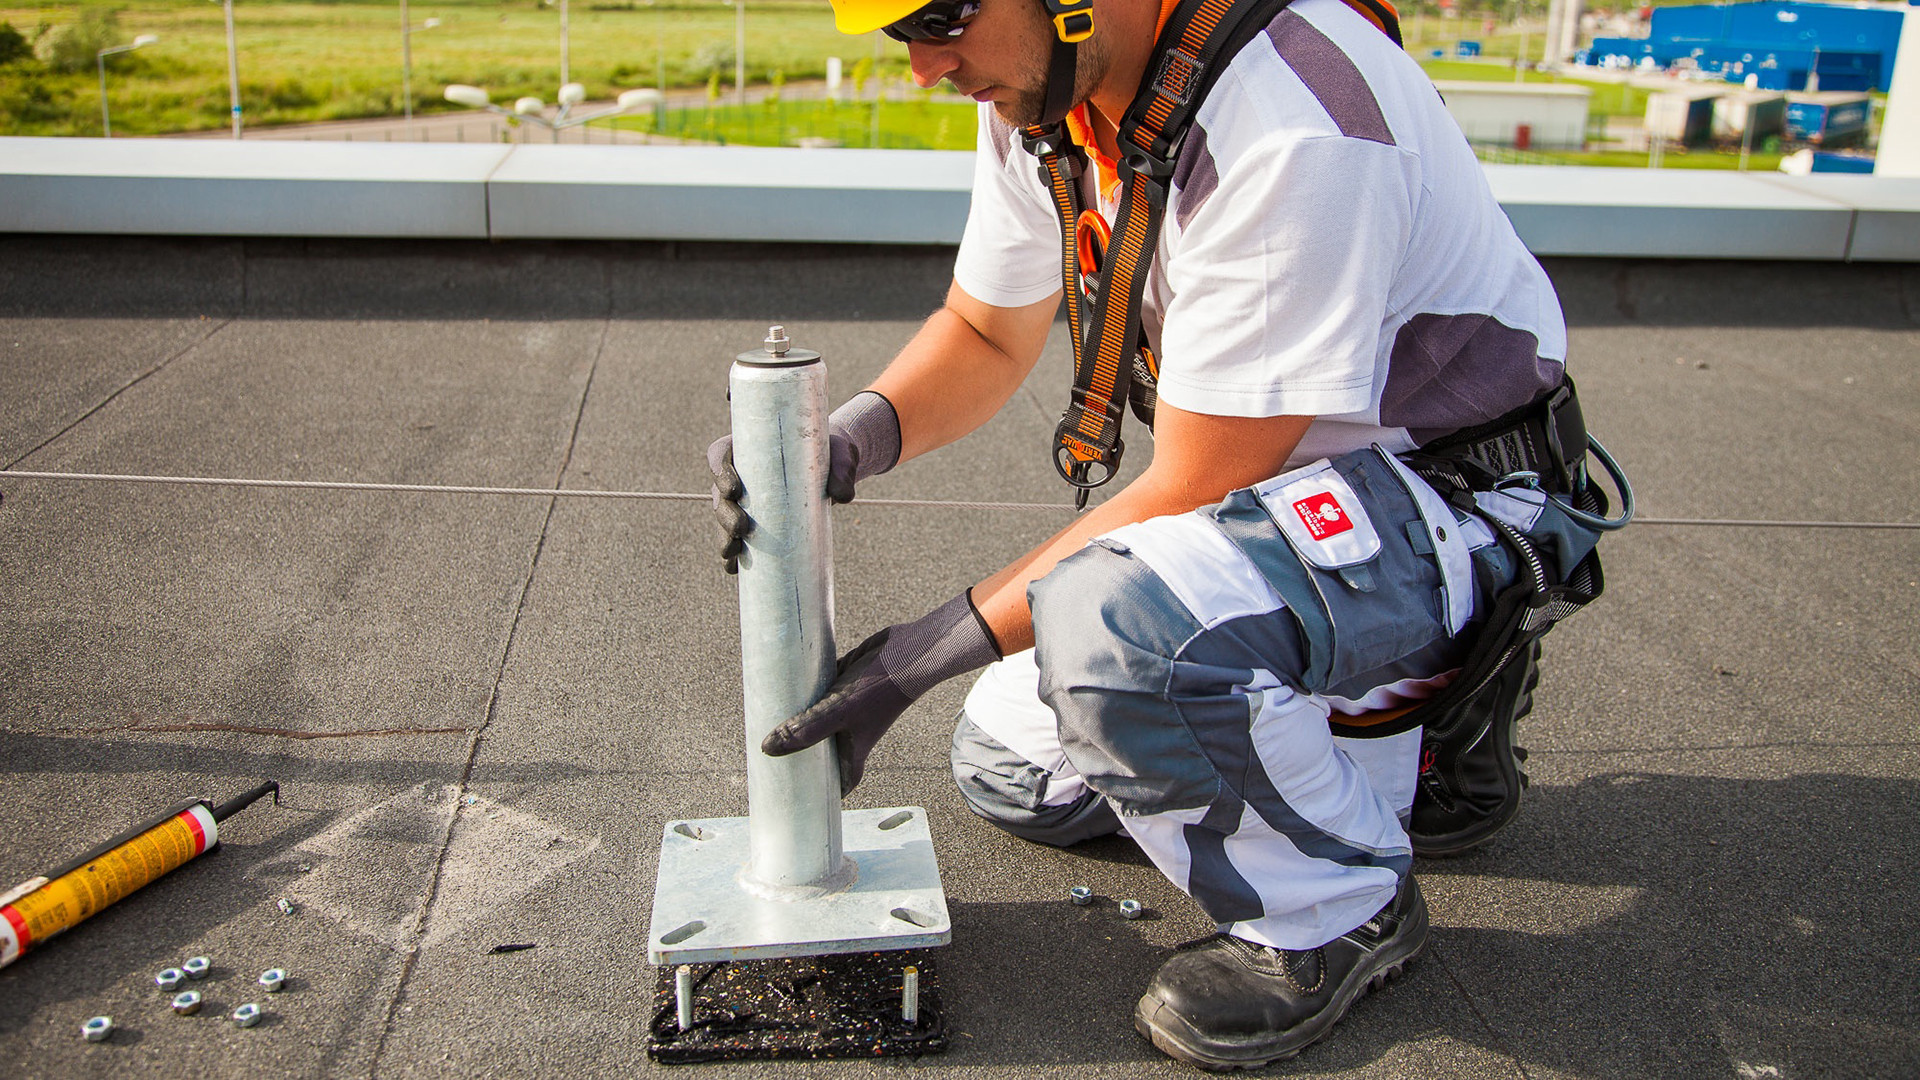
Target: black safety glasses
(940,21)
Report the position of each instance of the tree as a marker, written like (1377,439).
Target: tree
(74,47)
(13,45)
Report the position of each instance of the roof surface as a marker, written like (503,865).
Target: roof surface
(481,709)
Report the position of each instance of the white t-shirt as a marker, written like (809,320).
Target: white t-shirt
(1330,248)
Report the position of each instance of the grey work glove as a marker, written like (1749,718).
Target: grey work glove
(863,439)
(880,678)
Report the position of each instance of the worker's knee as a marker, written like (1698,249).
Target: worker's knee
(1107,629)
(1093,614)
(1012,792)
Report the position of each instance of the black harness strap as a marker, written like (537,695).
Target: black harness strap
(1072,23)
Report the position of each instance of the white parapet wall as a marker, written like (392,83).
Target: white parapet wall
(1691,213)
(400,190)
(732,193)
(267,188)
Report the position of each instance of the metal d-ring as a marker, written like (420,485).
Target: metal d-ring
(1620,484)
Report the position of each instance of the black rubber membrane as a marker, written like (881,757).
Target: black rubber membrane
(841,1006)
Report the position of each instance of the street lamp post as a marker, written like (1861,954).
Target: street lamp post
(100,58)
(233,71)
(566,41)
(407,30)
(740,51)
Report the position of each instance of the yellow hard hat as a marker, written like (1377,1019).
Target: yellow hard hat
(866,16)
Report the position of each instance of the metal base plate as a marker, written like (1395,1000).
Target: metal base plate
(701,913)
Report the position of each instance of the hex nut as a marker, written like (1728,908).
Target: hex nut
(286,907)
(97,1029)
(273,979)
(247,1015)
(1130,909)
(186,1002)
(197,967)
(170,979)
(1080,895)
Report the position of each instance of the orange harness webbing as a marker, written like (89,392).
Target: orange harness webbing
(1104,276)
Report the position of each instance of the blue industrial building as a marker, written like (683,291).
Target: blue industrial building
(1778,43)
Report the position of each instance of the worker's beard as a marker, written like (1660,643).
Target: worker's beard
(1030,98)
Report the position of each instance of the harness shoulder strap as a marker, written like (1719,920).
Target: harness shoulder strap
(1103,300)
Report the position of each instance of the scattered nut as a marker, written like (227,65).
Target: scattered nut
(273,979)
(1130,909)
(286,907)
(97,1029)
(1080,895)
(247,1015)
(197,967)
(170,979)
(186,1002)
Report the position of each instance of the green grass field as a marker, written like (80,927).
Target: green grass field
(888,125)
(337,59)
(941,126)
(1697,158)
(341,59)
(1609,99)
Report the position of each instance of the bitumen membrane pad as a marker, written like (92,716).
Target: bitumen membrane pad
(481,709)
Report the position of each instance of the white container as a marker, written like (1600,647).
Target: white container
(1739,113)
(1683,114)
(1555,115)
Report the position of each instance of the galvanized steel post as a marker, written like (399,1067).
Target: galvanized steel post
(776,882)
(779,397)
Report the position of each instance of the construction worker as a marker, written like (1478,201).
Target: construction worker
(1333,291)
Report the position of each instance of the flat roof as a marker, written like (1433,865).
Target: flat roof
(482,708)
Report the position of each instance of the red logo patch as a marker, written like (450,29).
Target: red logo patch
(1323,515)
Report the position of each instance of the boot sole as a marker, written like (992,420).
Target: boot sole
(1175,1038)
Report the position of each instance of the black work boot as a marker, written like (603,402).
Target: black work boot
(1225,1003)
(1470,782)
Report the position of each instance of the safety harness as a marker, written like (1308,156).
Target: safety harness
(1104,269)
(1542,445)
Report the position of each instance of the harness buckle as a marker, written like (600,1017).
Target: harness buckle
(1149,166)
(1042,140)
(1073,26)
(1085,465)
(1072,19)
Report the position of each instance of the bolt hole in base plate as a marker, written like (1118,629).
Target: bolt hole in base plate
(701,913)
(845,1006)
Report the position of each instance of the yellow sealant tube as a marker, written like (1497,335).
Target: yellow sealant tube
(45,906)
